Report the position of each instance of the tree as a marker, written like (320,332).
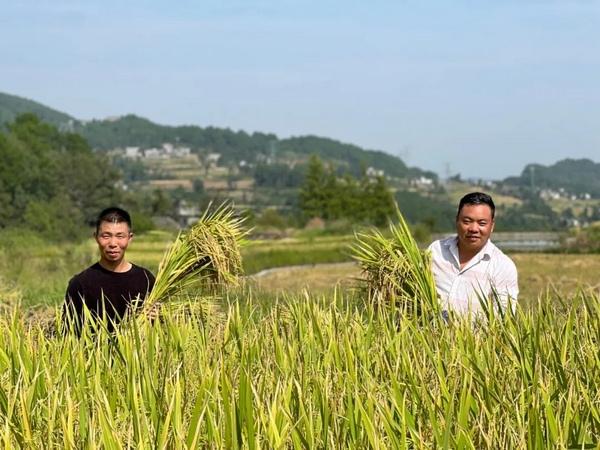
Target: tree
(51,181)
(379,202)
(271,218)
(332,196)
(56,220)
(162,204)
(324,194)
(278,175)
(352,203)
(198,187)
(435,213)
(312,197)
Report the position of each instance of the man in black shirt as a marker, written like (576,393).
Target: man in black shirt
(112,286)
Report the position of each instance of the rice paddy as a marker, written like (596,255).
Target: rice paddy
(306,372)
(264,367)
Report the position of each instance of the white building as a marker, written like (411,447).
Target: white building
(213,158)
(182,151)
(373,172)
(132,152)
(549,194)
(152,153)
(422,181)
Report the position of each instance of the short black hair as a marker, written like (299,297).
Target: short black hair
(113,215)
(477,198)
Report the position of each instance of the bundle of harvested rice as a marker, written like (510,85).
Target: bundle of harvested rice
(394,269)
(208,252)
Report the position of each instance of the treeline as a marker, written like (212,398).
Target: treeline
(575,176)
(533,214)
(51,182)
(351,158)
(131,130)
(236,146)
(361,200)
(278,175)
(12,106)
(433,214)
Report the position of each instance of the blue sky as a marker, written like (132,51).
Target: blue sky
(481,87)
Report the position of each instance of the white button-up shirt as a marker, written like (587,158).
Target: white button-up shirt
(487,272)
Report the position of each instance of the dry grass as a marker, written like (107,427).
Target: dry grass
(577,206)
(317,278)
(171,184)
(563,274)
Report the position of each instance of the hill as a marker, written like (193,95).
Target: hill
(12,106)
(568,177)
(232,146)
(236,146)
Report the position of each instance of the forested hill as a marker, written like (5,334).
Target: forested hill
(354,156)
(233,146)
(12,106)
(575,176)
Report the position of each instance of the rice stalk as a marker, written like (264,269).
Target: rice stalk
(331,375)
(394,269)
(209,253)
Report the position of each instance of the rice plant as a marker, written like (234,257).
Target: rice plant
(208,252)
(394,269)
(306,373)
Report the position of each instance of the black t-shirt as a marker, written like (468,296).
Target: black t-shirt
(106,293)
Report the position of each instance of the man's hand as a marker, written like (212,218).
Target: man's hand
(153,312)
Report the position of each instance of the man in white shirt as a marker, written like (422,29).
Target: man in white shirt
(468,267)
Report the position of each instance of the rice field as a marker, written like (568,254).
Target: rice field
(539,274)
(264,367)
(305,372)
(257,255)
(320,264)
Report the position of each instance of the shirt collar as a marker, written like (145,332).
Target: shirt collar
(484,254)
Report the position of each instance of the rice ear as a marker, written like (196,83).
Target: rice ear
(209,253)
(395,270)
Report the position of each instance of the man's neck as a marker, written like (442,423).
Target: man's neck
(465,255)
(115,266)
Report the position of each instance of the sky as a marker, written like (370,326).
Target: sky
(479,88)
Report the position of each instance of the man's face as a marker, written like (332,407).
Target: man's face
(113,239)
(474,225)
